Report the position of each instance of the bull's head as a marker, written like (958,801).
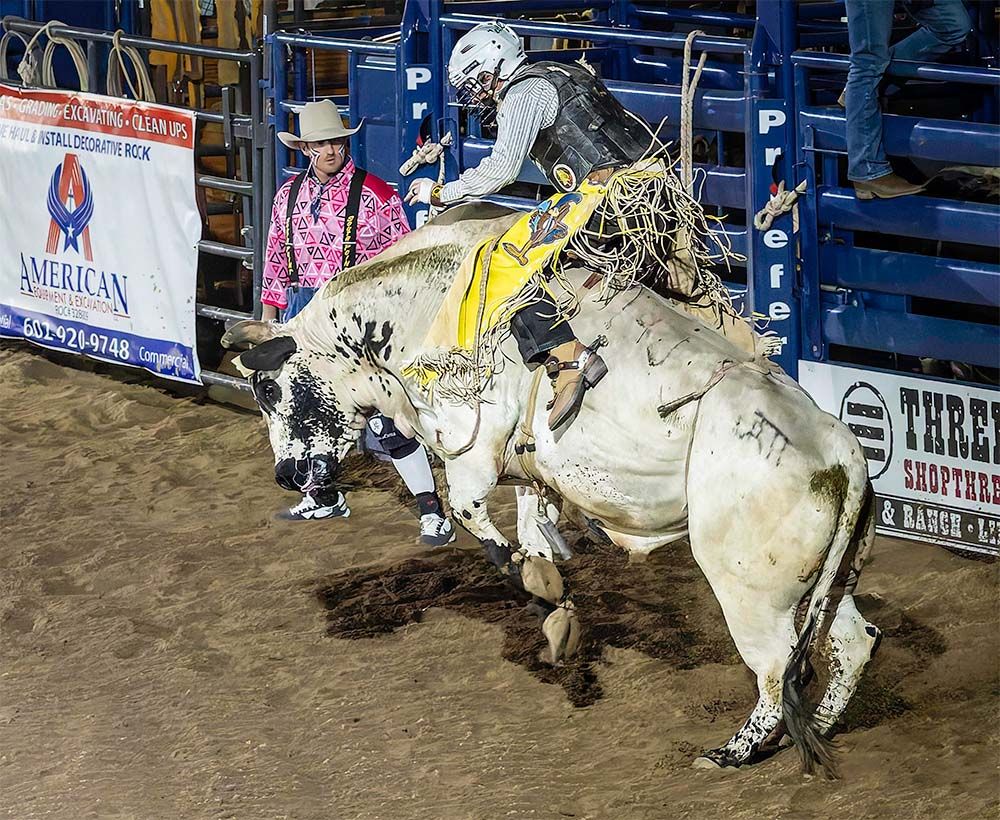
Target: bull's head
(304,398)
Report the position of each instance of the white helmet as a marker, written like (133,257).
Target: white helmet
(483,58)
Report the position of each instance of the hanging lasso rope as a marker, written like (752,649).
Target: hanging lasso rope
(40,73)
(117,69)
(689,87)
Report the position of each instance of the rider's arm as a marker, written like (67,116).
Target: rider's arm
(529,107)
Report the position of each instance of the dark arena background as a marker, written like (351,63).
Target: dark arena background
(171,649)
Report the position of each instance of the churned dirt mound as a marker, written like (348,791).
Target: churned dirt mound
(170,650)
(651,607)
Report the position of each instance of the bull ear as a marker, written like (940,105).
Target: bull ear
(267,356)
(249,333)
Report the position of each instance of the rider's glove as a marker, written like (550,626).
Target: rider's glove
(424,191)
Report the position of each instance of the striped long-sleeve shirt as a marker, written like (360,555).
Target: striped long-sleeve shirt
(527,108)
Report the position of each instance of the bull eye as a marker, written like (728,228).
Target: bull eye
(268,394)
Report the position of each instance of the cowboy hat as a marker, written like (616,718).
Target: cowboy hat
(318,121)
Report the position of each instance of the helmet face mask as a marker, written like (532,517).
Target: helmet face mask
(477,96)
(482,60)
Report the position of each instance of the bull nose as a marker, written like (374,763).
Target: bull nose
(314,472)
(284,474)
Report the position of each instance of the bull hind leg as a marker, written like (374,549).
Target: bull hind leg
(764,637)
(850,645)
(851,641)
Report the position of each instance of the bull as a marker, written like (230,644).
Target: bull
(688,435)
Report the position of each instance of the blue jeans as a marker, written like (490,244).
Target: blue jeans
(296,299)
(943,26)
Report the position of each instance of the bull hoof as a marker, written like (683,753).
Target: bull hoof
(538,608)
(562,630)
(498,554)
(540,577)
(716,759)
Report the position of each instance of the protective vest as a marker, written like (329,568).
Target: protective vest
(592,129)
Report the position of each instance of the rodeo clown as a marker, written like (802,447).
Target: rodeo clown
(565,119)
(325,219)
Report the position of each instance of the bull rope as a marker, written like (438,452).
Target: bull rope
(635,200)
(635,197)
(781,202)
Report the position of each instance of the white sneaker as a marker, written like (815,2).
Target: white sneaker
(436,530)
(308,509)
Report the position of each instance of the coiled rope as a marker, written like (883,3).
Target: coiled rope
(35,72)
(117,69)
(5,41)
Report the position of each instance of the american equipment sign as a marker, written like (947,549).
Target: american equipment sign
(933,451)
(100,230)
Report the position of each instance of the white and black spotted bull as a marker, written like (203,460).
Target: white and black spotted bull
(772,493)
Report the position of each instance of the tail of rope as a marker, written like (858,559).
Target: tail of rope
(689,87)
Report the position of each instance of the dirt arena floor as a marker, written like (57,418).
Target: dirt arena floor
(168,650)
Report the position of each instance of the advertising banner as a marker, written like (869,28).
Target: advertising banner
(933,450)
(100,228)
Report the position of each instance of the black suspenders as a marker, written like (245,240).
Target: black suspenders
(350,223)
(351,218)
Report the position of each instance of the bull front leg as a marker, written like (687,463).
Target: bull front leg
(470,483)
(537,532)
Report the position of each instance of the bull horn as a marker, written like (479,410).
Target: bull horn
(249,333)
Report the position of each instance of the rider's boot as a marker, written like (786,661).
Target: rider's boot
(573,368)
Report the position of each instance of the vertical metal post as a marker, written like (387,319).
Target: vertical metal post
(299,56)
(279,86)
(810,302)
(270,20)
(227,130)
(419,67)
(255,231)
(359,145)
(93,71)
(437,58)
(772,289)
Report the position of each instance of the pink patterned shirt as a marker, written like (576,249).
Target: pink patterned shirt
(319,243)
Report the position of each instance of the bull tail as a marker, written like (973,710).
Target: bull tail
(856,507)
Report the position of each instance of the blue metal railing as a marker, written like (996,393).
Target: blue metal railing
(863,297)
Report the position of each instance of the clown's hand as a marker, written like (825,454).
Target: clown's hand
(420,191)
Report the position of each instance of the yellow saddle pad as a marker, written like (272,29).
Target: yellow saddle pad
(475,304)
